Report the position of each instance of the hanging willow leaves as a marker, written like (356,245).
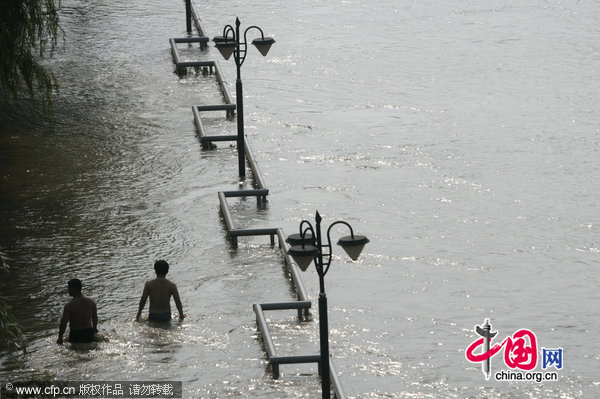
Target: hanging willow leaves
(29,29)
(11,334)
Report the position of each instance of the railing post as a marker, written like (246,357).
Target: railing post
(188,16)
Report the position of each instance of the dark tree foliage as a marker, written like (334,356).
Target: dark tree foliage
(28,30)
(11,334)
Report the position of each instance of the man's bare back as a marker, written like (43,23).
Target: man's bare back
(160,290)
(80,314)
(80,311)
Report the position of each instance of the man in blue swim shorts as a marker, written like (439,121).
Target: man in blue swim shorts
(160,290)
(80,314)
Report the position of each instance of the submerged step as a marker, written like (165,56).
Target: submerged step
(191,39)
(216,107)
(218,138)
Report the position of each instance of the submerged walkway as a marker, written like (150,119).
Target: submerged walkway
(302,304)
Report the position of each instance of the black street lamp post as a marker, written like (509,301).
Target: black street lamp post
(227,45)
(304,249)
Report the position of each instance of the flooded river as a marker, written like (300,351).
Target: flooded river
(463,138)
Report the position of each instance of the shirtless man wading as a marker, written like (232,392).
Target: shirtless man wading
(160,291)
(81,315)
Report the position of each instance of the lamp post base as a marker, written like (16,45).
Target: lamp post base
(324,338)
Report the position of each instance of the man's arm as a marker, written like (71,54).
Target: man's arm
(63,324)
(94,317)
(142,301)
(178,302)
